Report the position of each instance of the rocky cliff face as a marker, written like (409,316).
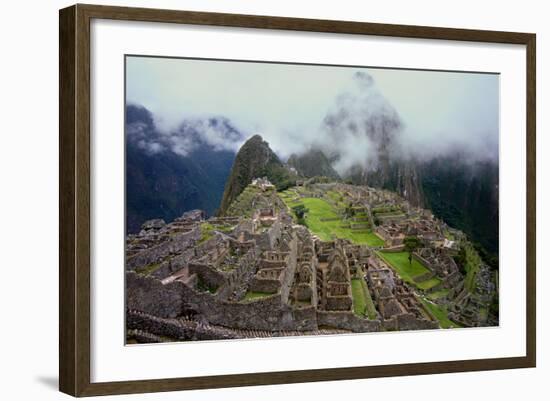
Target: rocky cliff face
(402,177)
(313,163)
(365,144)
(465,195)
(254,159)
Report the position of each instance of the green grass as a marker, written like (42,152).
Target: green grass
(409,271)
(207,230)
(438,294)
(440,313)
(428,284)
(359,301)
(371,310)
(473,263)
(328,230)
(335,196)
(250,295)
(149,269)
(448,235)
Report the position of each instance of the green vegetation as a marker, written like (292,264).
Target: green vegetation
(207,230)
(440,313)
(428,284)
(448,235)
(490,258)
(438,294)
(470,262)
(359,301)
(466,204)
(299,211)
(335,196)
(149,269)
(371,310)
(250,295)
(409,272)
(411,245)
(323,221)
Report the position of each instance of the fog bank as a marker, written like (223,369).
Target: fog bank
(347,111)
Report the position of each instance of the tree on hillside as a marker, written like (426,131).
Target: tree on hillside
(300,212)
(411,245)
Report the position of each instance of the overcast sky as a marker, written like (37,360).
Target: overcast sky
(287,104)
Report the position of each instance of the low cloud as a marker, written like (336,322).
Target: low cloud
(215,132)
(350,113)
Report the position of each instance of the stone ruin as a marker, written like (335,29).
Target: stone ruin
(398,306)
(263,276)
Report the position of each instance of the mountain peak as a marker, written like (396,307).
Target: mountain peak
(254,159)
(313,163)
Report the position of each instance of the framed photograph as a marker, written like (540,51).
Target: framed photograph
(250,200)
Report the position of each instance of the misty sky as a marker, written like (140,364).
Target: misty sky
(439,112)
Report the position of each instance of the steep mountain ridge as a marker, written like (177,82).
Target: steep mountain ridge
(313,163)
(162,179)
(254,159)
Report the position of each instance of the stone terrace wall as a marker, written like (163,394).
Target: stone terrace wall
(289,272)
(176,329)
(149,295)
(347,321)
(207,274)
(267,313)
(176,244)
(409,321)
(265,285)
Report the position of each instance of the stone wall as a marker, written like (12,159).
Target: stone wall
(149,295)
(174,264)
(409,321)
(267,313)
(338,303)
(207,275)
(304,293)
(265,285)
(181,329)
(289,272)
(176,244)
(347,321)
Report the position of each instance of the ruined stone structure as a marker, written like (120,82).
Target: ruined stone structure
(261,275)
(396,302)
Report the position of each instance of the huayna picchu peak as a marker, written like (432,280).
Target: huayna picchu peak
(254,159)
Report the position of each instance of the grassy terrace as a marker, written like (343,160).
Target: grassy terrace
(409,271)
(319,210)
(362,301)
(251,295)
(359,301)
(438,294)
(473,263)
(440,313)
(207,231)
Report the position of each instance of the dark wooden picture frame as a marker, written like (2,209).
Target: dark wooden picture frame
(74,202)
